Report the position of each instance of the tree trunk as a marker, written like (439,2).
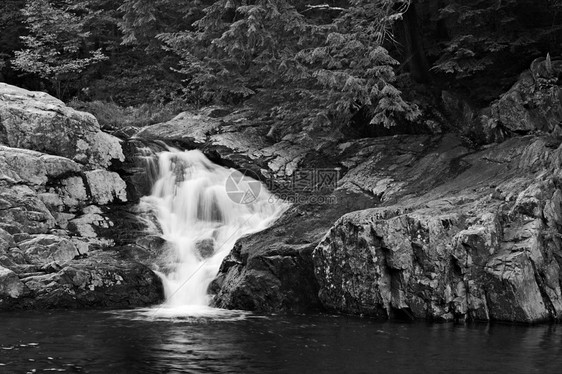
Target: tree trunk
(415,55)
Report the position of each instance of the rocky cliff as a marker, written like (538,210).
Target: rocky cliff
(55,191)
(458,235)
(427,226)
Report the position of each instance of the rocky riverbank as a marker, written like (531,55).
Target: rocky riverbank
(429,226)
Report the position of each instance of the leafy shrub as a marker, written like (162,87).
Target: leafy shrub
(57,48)
(112,116)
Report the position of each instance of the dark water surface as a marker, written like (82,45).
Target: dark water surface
(138,342)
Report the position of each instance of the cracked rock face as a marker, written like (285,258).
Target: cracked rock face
(54,197)
(484,245)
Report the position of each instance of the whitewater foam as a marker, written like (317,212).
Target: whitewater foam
(201,218)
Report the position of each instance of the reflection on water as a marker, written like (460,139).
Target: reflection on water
(212,341)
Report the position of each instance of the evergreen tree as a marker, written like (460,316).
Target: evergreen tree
(486,44)
(337,64)
(143,20)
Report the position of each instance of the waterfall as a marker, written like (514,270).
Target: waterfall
(202,209)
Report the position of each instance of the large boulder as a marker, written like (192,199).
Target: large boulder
(480,245)
(272,271)
(54,200)
(106,186)
(101,280)
(42,249)
(186,128)
(437,264)
(60,183)
(532,104)
(31,167)
(23,211)
(38,121)
(10,285)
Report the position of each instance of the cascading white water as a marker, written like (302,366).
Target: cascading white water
(203,208)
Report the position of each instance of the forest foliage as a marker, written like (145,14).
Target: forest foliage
(56,45)
(320,62)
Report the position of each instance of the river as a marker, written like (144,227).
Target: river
(149,341)
(202,209)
